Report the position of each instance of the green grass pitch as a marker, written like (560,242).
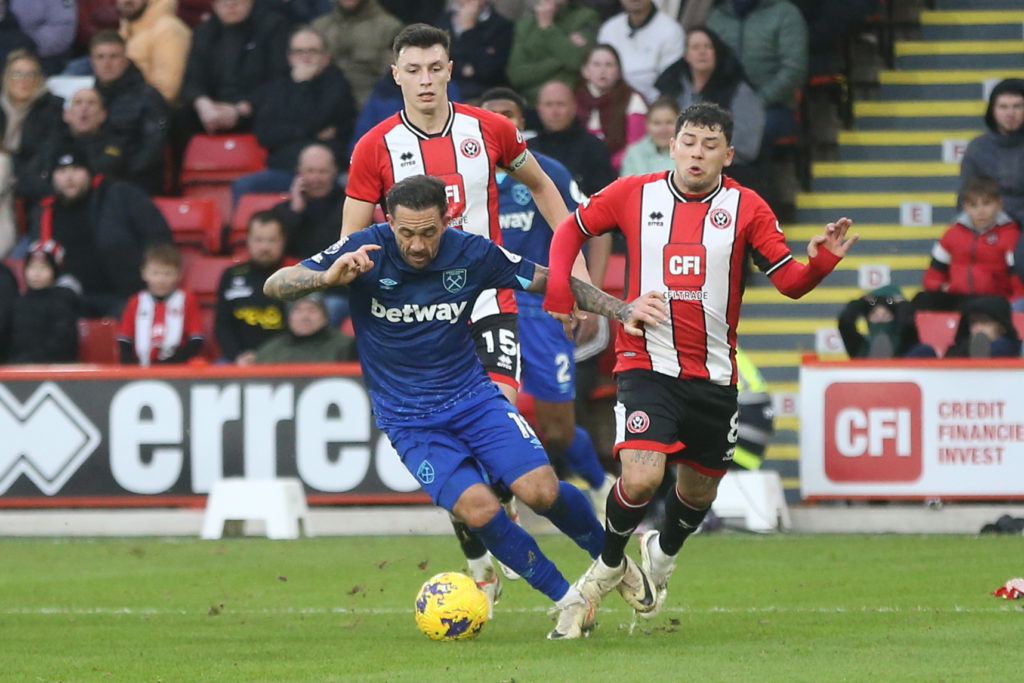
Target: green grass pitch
(740,608)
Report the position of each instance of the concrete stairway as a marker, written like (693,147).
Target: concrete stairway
(902,149)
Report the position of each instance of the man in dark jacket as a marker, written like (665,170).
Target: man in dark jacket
(104,227)
(246,317)
(481,42)
(564,138)
(999,152)
(136,111)
(313,104)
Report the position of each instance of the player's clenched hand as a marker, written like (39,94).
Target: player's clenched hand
(649,309)
(833,239)
(350,265)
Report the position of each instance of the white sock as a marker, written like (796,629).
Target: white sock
(659,560)
(571,597)
(480,567)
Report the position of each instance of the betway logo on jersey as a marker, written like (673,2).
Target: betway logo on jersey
(684,266)
(873,432)
(516,220)
(415,313)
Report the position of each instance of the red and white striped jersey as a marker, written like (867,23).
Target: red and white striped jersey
(464,154)
(692,250)
(156,328)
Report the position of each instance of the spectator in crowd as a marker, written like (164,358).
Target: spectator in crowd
(161,324)
(481,42)
(650,153)
(136,112)
(8,295)
(647,41)
(414,11)
(999,152)
(246,317)
(51,24)
(890,324)
(301,11)
(985,330)
(550,43)
(29,113)
(8,224)
(311,216)
(82,131)
(309,338)
(710,72)
(358,34)
(313,104)
(12,37)
(237,49)
(105,226)
(194,12)
(975,255)
(157,42)
(770,39)
(564,138)
(45,318)
(607,105)
(829,23)
(689,13)
(386,99)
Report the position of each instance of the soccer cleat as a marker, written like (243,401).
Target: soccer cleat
(574,621)
(599,580)
(599,496)
(513,513)
(658,577)
(491,586)
(635,588)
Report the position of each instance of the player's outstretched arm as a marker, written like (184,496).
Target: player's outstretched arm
(295,282)
(355,215)
(833,239)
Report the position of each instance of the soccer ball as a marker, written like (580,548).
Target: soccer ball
(450,606)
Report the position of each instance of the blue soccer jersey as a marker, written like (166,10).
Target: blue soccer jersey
(412,325)
(523,228)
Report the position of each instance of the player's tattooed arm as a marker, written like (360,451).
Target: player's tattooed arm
(295,282)
(648,309)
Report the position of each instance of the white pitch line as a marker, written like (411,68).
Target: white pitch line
(279,611)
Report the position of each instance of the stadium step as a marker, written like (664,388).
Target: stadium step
(917,115)
(878,176)
(959,54)
(902,145)
(936,84)
(870,207)
(977,24)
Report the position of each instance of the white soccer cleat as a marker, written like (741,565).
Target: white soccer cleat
(599,580)
(636,588)
(599,496)
(574,620)
(490,584)
(513,513)
(658,567)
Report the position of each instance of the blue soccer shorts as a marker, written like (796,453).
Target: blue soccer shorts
(480,440)
(549,365)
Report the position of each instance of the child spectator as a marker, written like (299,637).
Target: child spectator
(649,154)
(607,105)
(985,331)
(890,324)
(309,338)
(44,325)
(161,324)
(975,255)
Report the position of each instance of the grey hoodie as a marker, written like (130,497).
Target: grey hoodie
(999,155)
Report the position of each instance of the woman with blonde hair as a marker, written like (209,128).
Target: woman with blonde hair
(605,103)
(28,114)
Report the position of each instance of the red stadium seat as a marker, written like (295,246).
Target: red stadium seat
(97,341)
(17,267)
(221,158)
(937,329)
(219,193)
(248,204)
(203,275)
(195,222)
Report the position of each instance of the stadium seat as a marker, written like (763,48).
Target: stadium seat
(248,204)
(221,158)
(937,329)
(97,341)
(219,193)
(17,267)
(203,276)
(211,349)
(195,222)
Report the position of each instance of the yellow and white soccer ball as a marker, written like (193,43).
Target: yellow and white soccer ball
(450,606)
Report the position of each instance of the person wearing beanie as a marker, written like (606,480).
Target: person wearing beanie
(999,152)
(45,318)
(890,322)
(309,338)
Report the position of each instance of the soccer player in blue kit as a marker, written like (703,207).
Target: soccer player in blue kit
(412,285)
(549,367)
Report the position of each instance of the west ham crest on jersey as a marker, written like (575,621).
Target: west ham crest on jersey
(454,280)
(521,194)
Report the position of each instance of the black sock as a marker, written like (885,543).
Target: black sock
(681,520)
(622,517)
(472,546)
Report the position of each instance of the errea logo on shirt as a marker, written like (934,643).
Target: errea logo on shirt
(415,313)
